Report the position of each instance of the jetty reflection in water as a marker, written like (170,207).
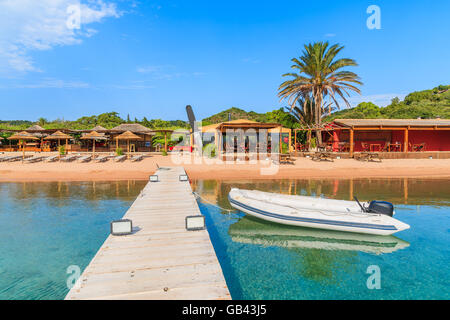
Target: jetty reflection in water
(255,231)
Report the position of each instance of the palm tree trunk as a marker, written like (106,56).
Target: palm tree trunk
(318,113)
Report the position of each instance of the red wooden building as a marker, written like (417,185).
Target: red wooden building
(388,135)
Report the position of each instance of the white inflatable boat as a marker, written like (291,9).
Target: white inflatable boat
(312,212)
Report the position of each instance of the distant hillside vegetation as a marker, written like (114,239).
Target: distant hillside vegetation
(235,113)
(426,104)
(276,116)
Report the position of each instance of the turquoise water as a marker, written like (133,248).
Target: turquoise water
(46,227)
(263,260)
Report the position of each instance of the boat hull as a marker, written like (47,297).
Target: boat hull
(311,218)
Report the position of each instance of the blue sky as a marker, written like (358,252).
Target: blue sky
(151,58)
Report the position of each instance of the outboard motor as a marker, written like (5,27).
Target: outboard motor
(381,207)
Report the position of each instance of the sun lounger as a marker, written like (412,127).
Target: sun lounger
(322,156)
(69,158)
(120,158)
(34,159)
(137,158)
(5,159)
(85,159)
(15,158)
(368,156)
(51,159)
(102,159)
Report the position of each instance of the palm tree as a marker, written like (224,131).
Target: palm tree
(42,121)
(320,75)
(304,112)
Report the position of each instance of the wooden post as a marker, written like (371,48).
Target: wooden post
(165,141)
(295,142)
(281,134)
(117,143)
(405,147)
(66,150)
(93,149)
(351,143)
(290,140)
(216,140)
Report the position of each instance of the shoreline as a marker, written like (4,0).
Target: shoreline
(302,169)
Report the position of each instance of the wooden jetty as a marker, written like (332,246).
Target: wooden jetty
(160,260)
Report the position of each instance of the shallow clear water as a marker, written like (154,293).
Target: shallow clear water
(263,260)
(46,227)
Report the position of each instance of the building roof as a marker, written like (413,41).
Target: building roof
(393,122)
(239,123)
(132,127)
(99,129)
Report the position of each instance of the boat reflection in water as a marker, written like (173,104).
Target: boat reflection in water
(255,231)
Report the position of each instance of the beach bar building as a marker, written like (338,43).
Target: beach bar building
(142,145)
(395,138)
(242,133)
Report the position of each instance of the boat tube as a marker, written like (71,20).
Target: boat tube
(312,212)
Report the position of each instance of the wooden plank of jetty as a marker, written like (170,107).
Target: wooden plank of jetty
(160,260)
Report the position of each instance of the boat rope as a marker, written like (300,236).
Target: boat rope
(215,205)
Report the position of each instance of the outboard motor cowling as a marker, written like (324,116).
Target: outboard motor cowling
(381,207)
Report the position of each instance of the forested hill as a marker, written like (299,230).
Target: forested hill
(426,104)
(235,113)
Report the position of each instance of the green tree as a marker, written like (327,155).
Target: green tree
(109,119)
(286,119)
(319,74)
(42,122)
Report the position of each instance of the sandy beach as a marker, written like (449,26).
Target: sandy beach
(204,169)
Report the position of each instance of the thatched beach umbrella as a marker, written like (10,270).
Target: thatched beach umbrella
(23,136)
(35,128)
(93,135)
(58,135)
(99,129)
(127,135)
(37,131)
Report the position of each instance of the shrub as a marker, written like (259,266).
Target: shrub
(313,143)
(210,150)
(119,151)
